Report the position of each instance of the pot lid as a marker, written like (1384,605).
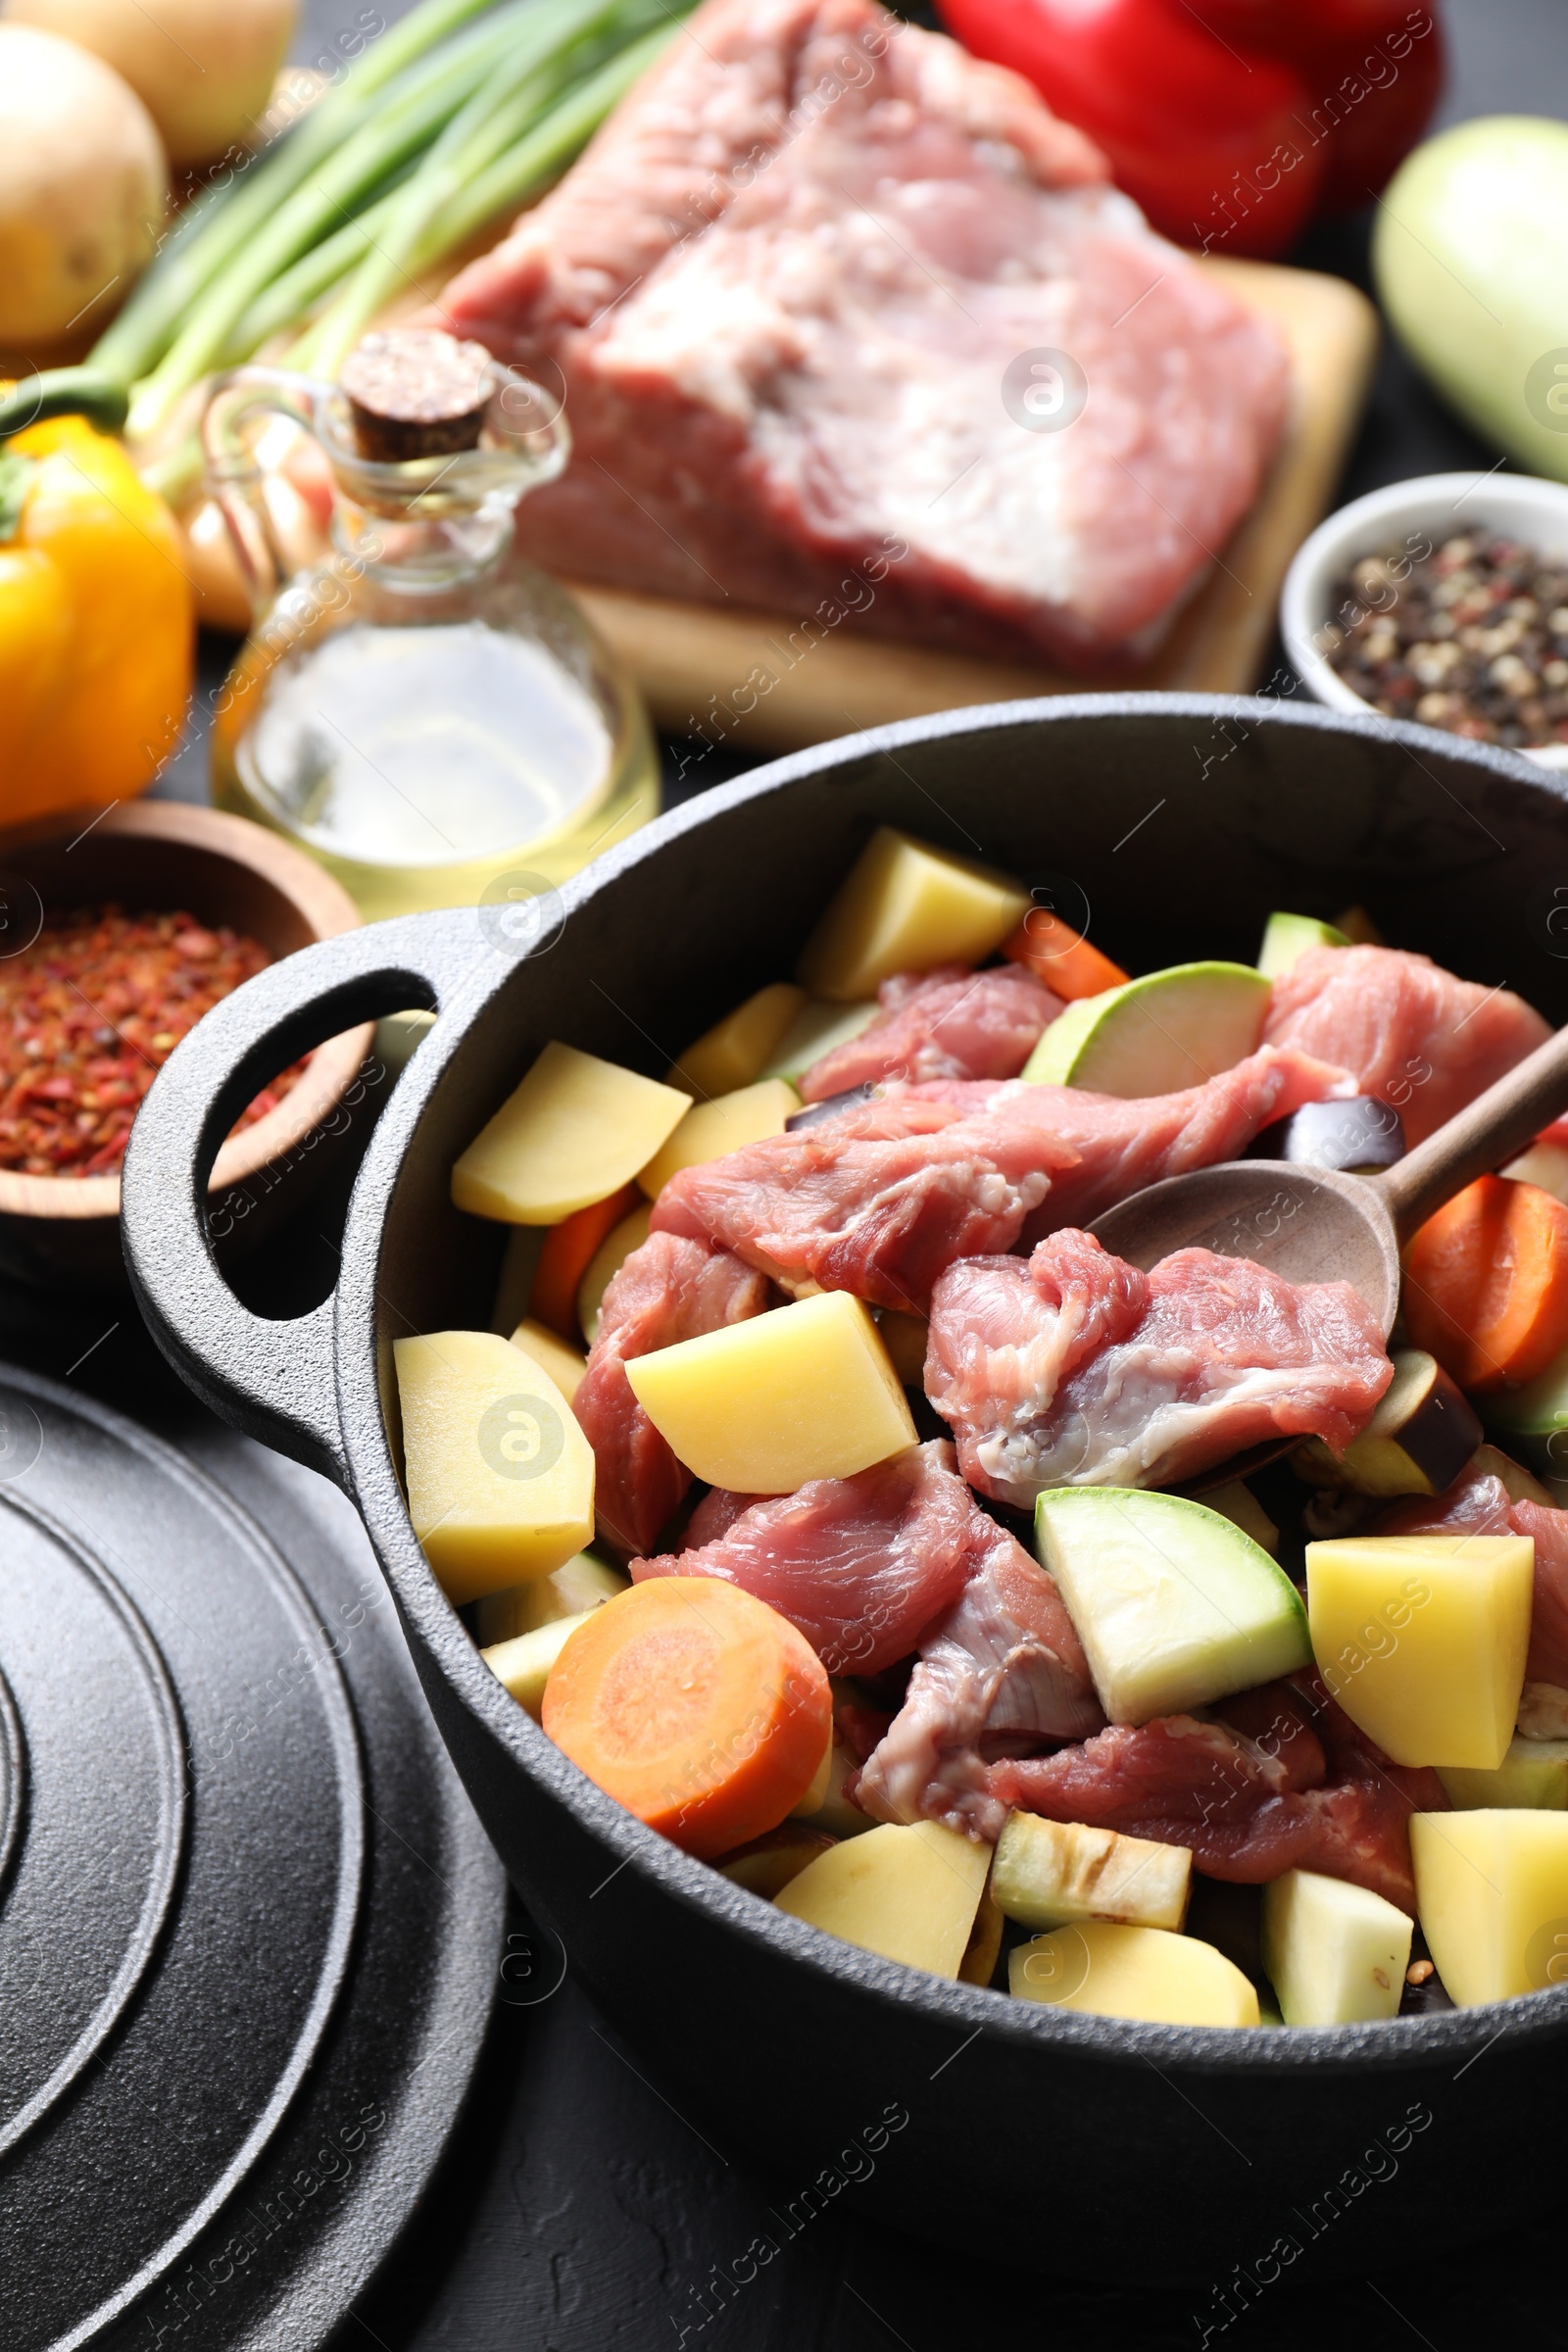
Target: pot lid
(249,1926)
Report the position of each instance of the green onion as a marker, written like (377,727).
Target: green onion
(400,126)
(540,158)
(485,128)
(216,225)
(464,110)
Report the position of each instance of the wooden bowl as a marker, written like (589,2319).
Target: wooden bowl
(150,856)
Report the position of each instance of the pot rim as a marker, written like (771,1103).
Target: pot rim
(1393,2046)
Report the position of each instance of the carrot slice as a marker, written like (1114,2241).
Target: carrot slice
(565,1257)
(1486,1288)
(1060,958)
(696,1706)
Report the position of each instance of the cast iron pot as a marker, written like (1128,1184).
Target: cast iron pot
(1079,2144)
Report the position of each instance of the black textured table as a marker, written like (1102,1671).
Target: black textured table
(579,2212)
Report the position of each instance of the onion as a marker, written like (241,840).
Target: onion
(203,69)
(84,185)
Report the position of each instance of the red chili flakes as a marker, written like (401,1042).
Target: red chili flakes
(89,1013)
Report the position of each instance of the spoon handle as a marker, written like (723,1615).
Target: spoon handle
(1492,1129)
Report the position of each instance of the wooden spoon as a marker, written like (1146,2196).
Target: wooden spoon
(1317,1225)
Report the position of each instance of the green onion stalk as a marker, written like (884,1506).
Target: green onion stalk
(463,109)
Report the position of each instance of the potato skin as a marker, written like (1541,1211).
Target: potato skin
(83,187)
(204,68)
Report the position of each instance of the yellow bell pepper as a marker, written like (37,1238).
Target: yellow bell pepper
(96,623)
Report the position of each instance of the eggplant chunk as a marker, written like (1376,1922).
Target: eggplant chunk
(1417,1442)
(1357,1134)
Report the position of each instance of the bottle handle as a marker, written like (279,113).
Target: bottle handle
(237,482)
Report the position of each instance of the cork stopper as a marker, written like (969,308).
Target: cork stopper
(415,392)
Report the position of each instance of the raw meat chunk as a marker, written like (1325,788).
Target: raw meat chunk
(669,1290)
(879,1198)
(1409,1031)
(1123,1145)
(1478,1504)
(896,1558)
(860,1565)
(805,295)
(876,1201)
(1291,1784)
(1075,1369)
(950,1023)
(1003,1668)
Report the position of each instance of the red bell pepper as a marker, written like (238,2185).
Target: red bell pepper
(1231,123)
(1373,67)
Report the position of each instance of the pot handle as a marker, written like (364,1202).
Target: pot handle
(274,1380)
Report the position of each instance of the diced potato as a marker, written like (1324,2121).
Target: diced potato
(816,1796)
(905,906)
(817,1029)
(573,1132)
(911,1894)
(1109,1970)
(605,1263)
(1237,1502)
(1491,1888)
(1533,1774)
(500,1476)
(833,1810)
(984,1947)
(771,1862)
(1422,1640)
(1048,1873)
(709,1130)
(738,1049)
(523,1664)
(805,1392)
(1334,1955)
(564,1365)
(583,1583)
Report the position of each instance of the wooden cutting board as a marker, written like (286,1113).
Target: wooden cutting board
(683,655)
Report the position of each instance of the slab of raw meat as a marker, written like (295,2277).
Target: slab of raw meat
(876,1201)
(1072,1368)
(1289,1784)
(1004,1669)
(1409,1031)
(1478,1505)
(881,1198)
(794,293)
(669,1290)
(950,1023)
(860,1565)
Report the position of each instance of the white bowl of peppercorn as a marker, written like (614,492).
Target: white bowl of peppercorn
(1443,599)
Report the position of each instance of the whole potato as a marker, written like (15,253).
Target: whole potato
(203,69)
(84,185)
